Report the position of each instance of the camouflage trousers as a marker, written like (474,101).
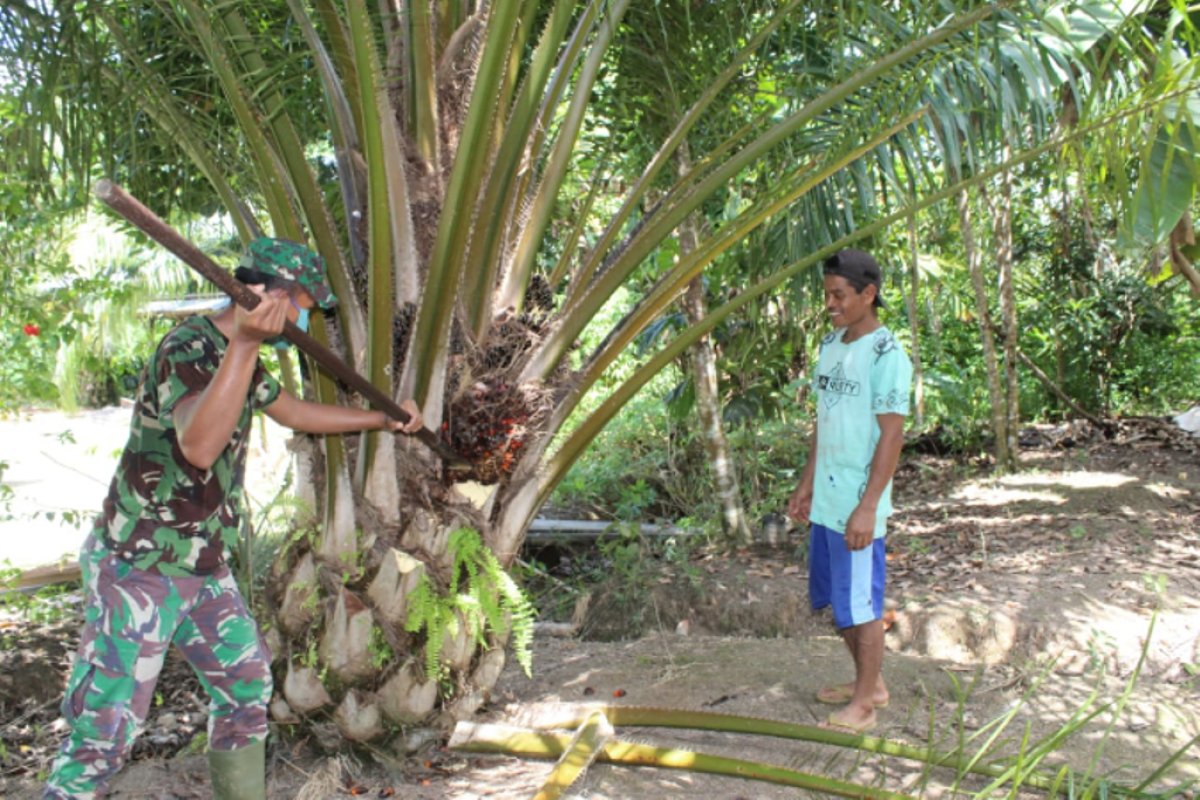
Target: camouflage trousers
(132,617)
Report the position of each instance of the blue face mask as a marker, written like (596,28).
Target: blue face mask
(280,343)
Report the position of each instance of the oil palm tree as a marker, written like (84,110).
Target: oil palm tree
(426,149)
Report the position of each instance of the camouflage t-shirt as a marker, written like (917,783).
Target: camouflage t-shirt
(163,514)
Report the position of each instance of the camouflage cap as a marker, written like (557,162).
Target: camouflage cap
(292,262)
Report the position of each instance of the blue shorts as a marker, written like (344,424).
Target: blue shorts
(849,580)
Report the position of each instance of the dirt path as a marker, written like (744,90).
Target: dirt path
(1022,597)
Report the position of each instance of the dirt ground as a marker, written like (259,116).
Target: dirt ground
(1023,598)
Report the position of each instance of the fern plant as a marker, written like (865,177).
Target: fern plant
(490,601)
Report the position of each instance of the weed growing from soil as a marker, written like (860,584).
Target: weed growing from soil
(488,601)
(612,577)
(628,570)
(46,606)
(1101,645)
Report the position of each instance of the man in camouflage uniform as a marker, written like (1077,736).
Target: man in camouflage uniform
(155,566)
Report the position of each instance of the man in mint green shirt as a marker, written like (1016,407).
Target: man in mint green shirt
(862,387)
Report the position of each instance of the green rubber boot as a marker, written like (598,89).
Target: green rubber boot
(239,774)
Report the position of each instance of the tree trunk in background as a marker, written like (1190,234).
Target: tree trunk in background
(1008,313)
(995,390)
(910,302)
(708,408)
(1089,223)
(708,399)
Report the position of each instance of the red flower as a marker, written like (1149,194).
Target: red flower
(32,330)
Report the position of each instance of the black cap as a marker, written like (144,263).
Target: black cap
(859,269)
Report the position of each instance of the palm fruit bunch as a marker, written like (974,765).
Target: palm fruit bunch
(486,424)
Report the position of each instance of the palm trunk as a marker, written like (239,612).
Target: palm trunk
(1089,224)
(374,631)
(708,400)
(708,408)
(1008,313)
(990,359)
(1060,363)
(910,302)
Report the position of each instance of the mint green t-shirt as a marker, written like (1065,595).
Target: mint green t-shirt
(855,382)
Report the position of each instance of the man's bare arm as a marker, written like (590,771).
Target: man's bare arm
(205,422)
(306,417)
(860,527)
(800,503)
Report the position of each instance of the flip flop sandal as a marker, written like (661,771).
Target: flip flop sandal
(841,727)
(837,696)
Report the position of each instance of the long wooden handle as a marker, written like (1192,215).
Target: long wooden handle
(149,223)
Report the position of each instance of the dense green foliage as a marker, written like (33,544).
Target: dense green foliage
(1113,338)
(74,325)
(36,315)
(1117,336)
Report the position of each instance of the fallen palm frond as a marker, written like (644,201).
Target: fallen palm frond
(974,755)
(1019,771)
(581,752)
(570,716)
(489,738)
